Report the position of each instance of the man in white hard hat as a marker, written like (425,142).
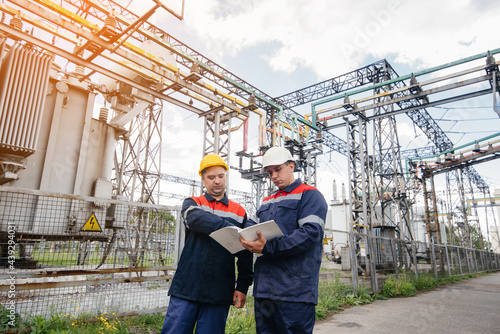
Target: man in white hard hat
(204,284)
(287,274)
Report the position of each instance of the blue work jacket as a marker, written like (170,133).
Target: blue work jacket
(288,269)
(206,270)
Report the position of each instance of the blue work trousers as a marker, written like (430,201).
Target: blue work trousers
(182,316)
(280,317)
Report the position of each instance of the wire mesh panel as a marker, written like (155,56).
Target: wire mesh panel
(83,255)
(440,262)
(404,254)
(92,295)
(391,256)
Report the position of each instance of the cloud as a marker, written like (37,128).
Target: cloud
(329,38)
(333,37)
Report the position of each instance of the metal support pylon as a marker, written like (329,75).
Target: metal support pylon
(358,172)
(310,171)
(359,202)
(258,194)
(431,211)
(388,180)
(456,206)
(217,136)
(138,163)
(473,209)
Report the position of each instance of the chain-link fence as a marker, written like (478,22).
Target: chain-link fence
(371,259)
(77,255)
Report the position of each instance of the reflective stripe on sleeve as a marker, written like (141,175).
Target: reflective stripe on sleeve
(189,209)
(312,219)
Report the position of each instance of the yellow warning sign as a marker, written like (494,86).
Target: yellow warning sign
(92,225)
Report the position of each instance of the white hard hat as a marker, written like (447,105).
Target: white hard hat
(275,156)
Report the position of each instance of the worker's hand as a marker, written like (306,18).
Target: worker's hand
(254,246)
(239,299)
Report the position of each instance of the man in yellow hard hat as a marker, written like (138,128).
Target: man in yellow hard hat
(287,274)
(205,284)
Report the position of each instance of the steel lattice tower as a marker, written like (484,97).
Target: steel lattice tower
(138,165)
(388,179)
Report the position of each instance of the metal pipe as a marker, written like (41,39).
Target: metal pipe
(404,98)
(452,150)
(406,88)
(496,108)
(408,76)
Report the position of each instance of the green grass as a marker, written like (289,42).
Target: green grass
(334,296)
(425,282)
(68,258)
(402,287)
(104,323)
(407,285)
(241,320)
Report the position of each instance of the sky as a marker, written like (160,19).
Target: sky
(280,46)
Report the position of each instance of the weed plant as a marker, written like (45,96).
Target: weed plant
(7,318)
(333,296)
(241,320)
(402,287)
(425,282)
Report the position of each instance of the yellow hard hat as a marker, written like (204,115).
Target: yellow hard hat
(211,160)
